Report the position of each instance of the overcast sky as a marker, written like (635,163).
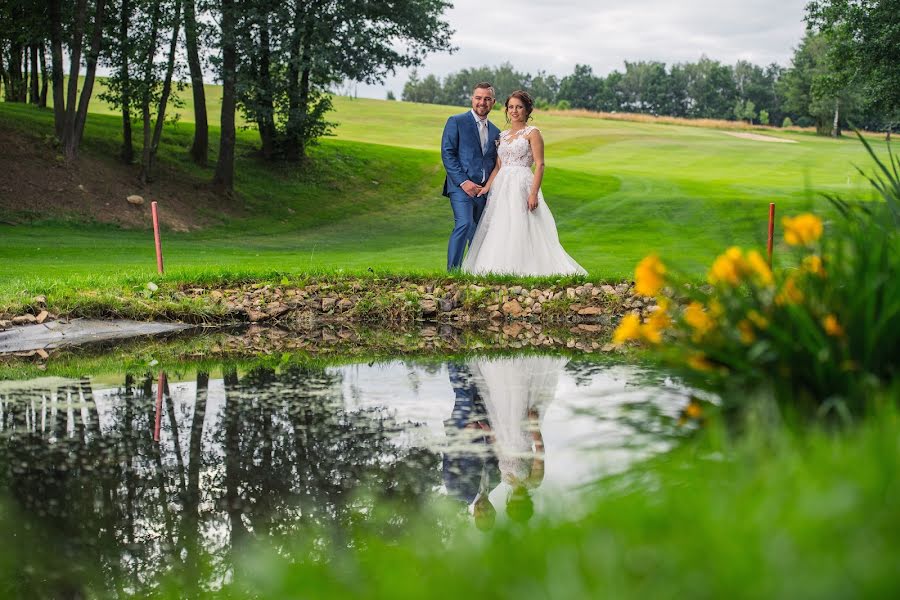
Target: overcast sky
(554,35)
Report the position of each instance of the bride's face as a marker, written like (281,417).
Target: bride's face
(515,109)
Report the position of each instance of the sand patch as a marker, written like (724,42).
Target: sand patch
(759,138)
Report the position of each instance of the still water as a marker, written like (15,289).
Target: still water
(126,477)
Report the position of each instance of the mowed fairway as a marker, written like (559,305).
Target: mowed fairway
(618,190)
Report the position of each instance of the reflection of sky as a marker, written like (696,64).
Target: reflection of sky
(580,417)
(585,412)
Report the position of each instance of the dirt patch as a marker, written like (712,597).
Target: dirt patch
(759,138)
(36,184)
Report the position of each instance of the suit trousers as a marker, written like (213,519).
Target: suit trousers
(466,214)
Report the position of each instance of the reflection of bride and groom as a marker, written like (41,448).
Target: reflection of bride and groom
(495,432)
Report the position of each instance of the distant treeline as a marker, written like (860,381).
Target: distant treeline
(708,89)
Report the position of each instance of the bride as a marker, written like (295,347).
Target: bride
(517,234)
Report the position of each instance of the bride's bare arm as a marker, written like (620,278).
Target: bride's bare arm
(487,186)
(537,150)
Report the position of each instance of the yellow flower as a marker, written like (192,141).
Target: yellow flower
(759,267)
(728,267)
(790,293)
(698,319)
(813,264)
(629,329)
(649,276)
(802,230)
(698,362)
(832,326)
(693,410)
(757,319)
(748,336)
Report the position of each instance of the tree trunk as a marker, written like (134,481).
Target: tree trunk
(164,96)
(836,126)
(296,108)
(200,147)
(56,59)
(266,121)
(147,84)
(17,90)
(4,74)
(68,133)
(71,150)
(45,78)
(224,176)
(34,89)
(127,154)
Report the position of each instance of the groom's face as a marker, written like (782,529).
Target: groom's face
(482,101)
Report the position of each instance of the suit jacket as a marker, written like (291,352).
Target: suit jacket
(461,151)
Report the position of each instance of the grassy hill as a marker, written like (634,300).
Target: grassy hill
(370,198)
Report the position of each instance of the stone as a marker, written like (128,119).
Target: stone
(428,306)
(607,289)
(536,309)
(256,315)
(41,301)
(42,353)
(608,347)
(23,320)
(135,200)
(515,290)
(512,308)
(344,305)
(5,324)
(496,315)
(216,296)
(328,304)
(590,311)
(590,328)
(446,304)
(581,291)
(512,330)
(493,307)
(570,293)
(42,316)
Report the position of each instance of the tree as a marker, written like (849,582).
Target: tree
(745,109)
(223,179)
(582,88)
(864,38)
(644,87)
(289,53)
(192,31)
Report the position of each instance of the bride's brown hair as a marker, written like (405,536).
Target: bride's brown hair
(525,97)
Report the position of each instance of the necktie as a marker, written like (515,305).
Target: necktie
(482,132)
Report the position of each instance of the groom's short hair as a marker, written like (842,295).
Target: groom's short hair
(484,85)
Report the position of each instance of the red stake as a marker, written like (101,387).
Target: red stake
(160,384)
(159,256)
(771,231)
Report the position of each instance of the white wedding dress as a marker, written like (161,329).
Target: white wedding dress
(510,239)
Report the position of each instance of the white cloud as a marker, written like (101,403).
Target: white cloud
(553,36)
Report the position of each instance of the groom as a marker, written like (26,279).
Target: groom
(469,152)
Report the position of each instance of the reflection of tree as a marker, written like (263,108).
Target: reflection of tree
(108,506)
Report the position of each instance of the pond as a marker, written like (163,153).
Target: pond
(114,481)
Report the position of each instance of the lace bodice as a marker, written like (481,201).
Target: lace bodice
(514,149)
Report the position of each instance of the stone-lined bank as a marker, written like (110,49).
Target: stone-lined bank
(384,302)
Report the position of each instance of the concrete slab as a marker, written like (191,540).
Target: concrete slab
(57,334)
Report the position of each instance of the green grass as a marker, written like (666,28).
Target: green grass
(371,196)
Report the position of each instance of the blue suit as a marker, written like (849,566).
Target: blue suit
(463,160)
(467,468)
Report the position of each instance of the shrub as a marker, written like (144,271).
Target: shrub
(824,333)
(787,122)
